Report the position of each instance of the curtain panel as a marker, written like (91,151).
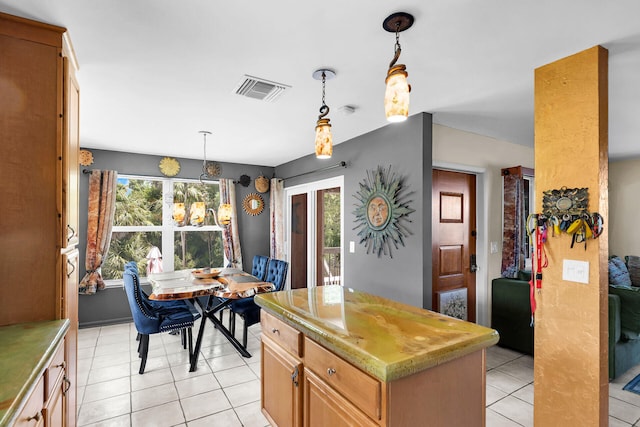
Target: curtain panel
(230,235)
(102,206)
(513,233)
(276,202)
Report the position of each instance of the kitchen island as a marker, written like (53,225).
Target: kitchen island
(335,356)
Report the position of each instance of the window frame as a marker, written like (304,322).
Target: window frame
(168,227)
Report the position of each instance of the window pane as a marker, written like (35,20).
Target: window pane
(197,249)
(138,202)
(127,247)
(190,193)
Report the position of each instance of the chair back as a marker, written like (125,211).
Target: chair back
(259,268)
(277,273)
(146,321)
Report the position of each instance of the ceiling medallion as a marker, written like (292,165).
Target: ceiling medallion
(169,166)
(85,157)
(380,211)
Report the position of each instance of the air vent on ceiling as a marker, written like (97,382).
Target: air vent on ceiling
(257,88)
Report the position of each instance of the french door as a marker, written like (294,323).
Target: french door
(315,226)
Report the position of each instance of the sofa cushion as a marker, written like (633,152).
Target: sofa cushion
(618,273)
(633,266)
(629,307)
(524,275)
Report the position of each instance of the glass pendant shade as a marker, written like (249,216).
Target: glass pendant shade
(178,213)
(198,211)
(396,96)
(224,214)
(324,139)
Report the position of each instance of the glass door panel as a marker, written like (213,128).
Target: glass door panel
(298,270)
(328,238)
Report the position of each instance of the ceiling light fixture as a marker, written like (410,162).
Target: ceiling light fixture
(396,96)
(324,139)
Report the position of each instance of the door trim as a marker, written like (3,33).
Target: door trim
(482,242)
(311,189)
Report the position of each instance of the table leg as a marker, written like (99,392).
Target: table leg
(209,313)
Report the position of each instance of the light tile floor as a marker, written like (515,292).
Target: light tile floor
(225,390)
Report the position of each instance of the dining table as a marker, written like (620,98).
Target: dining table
(219,288)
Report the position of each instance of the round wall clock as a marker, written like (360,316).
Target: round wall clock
(169,166)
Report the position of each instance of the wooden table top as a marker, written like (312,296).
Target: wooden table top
(230,283)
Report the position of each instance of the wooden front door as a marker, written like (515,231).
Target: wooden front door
(454,243)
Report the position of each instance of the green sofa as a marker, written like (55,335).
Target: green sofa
(511,317)
(511,312)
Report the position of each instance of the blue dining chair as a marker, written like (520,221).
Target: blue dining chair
(258,270)
(259,267)
(247,308)
(152,317)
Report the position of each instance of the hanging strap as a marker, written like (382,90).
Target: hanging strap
(541,261)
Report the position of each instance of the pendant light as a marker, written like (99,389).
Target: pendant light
(396,96)
(324,139)
(222,218)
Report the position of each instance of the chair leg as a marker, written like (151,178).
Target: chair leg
(232,323)
(144,349)
(183,338)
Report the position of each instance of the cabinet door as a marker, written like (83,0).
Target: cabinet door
(69,158)
(281,385)
(70,311)
(323,406)
(54,411)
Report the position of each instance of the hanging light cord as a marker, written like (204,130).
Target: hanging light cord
(397,48)
(204,173)
(324,109)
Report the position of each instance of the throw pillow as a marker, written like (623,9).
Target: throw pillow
(618,273)
(633,265)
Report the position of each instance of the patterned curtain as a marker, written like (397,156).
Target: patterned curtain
(513,251)
(230,235)
(277,249)
(102,206)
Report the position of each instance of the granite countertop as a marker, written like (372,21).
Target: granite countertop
(25,350)
(385,338)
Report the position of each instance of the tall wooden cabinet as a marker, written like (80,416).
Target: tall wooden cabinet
(39,110)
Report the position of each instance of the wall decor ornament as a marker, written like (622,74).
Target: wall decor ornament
(381,211)
(253,204)
(85,157)
(169,166)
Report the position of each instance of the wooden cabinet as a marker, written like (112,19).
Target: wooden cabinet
(281,367)
(39,110)
(45,405)
(305,384)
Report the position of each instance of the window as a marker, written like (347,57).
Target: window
(144,218)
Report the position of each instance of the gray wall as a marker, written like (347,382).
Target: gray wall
(110,305)
(407,147)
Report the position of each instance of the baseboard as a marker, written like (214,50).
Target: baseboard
(109,322)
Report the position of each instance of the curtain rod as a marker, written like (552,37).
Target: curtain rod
(88,171)
(337,165)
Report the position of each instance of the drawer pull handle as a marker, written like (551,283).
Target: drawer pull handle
(36,417)
(294,376)
(61,365)
(73,268)
(67,385)
(331,371)
(70,233)
(275,331)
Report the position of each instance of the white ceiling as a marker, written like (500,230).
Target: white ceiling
(155,72)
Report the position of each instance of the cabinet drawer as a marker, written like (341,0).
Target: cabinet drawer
(358,387)
(31,414)
(287,337)
(52,373)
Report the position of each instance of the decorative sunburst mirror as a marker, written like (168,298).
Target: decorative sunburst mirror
(381,212)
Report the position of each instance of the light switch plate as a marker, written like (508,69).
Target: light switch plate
(352,247)
(575,271)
